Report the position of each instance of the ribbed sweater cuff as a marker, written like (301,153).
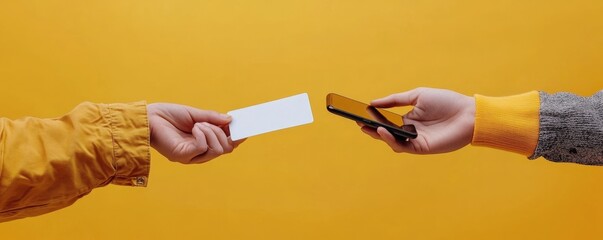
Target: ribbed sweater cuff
(507,123)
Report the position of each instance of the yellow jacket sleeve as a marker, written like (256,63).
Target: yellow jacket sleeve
(47,164)
(508,123)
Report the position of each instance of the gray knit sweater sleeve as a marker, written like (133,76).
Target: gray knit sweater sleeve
(571,128)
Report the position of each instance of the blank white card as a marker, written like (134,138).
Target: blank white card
(271,116)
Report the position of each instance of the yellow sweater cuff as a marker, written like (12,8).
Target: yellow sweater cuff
(507,123)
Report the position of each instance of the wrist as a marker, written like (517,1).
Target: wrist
(469,118)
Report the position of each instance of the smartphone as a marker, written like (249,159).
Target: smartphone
(370,116)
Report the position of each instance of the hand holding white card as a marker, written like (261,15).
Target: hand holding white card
(271,116)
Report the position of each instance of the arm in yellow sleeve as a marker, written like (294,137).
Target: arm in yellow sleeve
(508,123)
(47,164)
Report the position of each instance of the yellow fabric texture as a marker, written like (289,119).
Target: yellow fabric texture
(47,164)
(509,123)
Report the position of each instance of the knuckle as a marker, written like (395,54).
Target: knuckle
(203,149)
(219,151)
(228,149)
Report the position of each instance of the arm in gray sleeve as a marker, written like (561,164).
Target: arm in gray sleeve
(571,128)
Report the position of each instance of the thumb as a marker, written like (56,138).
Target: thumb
(398,99)
(208,116)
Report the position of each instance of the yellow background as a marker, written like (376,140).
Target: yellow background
(325,180)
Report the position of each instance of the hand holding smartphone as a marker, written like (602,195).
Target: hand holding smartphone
(370,116)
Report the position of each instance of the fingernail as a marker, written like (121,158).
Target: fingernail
(225,116)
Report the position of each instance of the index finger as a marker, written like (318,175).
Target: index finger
(393,143)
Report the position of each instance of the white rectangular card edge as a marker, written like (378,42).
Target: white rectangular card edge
(271,116)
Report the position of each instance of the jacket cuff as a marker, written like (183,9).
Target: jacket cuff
(507,123)
(131,144)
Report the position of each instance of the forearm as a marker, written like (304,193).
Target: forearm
(571,128)
(47,164)
(560,127)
